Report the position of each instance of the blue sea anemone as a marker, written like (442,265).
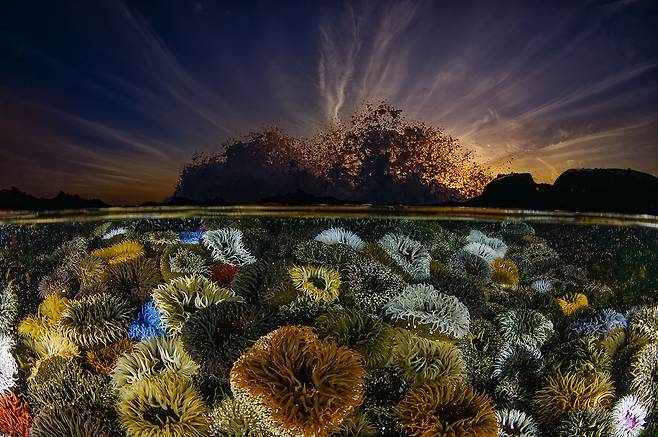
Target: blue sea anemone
(226,246)
(409,254)
(422,308)
(340,236)
(598,323)
(147,323)
(190,237)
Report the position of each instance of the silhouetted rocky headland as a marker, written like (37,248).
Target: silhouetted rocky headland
(588,190)
(15,199)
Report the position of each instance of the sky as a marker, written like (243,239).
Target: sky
(111,99)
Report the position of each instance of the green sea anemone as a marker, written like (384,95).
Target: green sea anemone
(259,281)
(58,380)
(644,323)
(215,336)
(424,361)
(504,272)
(151,357)
(644,376)
(356,425)
(233,419)
(447,410)
(186,262)
(515,423)
(479,349)
(226,246)
(120,253)
(72,421)
(134,279)
(591,422)
(318,283)
(355,329)
(89,270)
(15,417)
(96,321)
(564,393)
(302,385)
(370,285)
(318,253)
(423,309)
(181,297)
(163,406)
(582,354)
(525,327)
(375,252)
(8,306)
(409,254)
(467,264)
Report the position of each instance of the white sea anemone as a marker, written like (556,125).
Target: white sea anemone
(421,304)
(542,285)
(525,327)
(496,244)
(483,251)
(515,423)
(8,364)
(628,417)
(226,246)
(114,232)
(340,236)
(408,254)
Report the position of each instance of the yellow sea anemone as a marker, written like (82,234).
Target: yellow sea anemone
(571,303)
(120,252)
(318,283)
(48,314)
(504,272)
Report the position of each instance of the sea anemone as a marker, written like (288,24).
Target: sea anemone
(216,336)
(8,365)
(56,282)
(512,393)
(223,274)
(644,323)
(146,323)
(592,422)
(69,252)
(370,285)
(644,376)
(233,419)
(513,360)
(535,259)
(478,350)
(628,417)
(134,279)
(563,393)
(164,406)
(120,253)
(72,421)
(496,245)
(340,236)
(104,360)
(571,303)
(483,251)
(8,306)
(45,321)
(322,254)
(53,343)
(515,229)
(58,380)
(150,357)
(447,410)
(466,263)
(423,361)
(161,239)
(181,297)
(542,285)
(114,232)
(515,423)
(423,309)
(318,283)
(408,254)
(89,270)
(582,354)
(525,327)
(357,330)
(598,323)
(226,246)
(356,425)
(190,237)
(96,321)
(504,272)
(187,262)
(305,385)
(258,281)
(15,417)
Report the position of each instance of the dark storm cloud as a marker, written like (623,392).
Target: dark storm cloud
(111,99)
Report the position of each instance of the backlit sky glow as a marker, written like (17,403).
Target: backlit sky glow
(110,99)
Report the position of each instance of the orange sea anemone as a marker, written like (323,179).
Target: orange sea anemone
(15,417)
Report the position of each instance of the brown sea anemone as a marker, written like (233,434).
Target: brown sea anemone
(72,421)
(104,360)
(504,272)
(89,270)
(134,279)
(571,303)
(306,386)
(447,411)
(15,418)
(120,253)
(563,393)
(163,406)
(223,274)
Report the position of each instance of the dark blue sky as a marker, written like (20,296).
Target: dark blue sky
(110,99)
